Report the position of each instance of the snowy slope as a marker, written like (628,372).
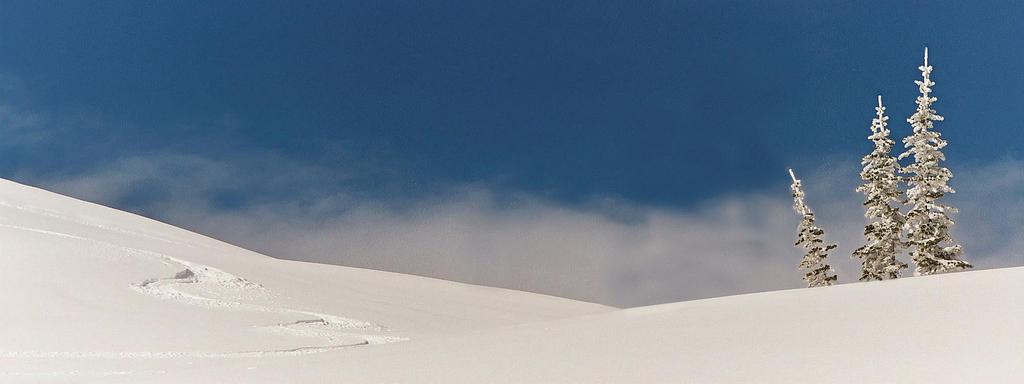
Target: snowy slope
(87,289)
(956,328)
(95,295)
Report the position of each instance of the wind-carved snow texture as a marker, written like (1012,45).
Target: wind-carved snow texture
(72,373)
(55,215)
(205,286)
(226,291)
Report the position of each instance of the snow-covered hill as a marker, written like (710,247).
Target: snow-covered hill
(91,294)
(956,328)
(88,291)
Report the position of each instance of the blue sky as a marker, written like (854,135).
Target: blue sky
(588,106)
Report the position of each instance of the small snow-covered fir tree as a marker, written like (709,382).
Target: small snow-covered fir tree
(809,237)
(881,187)
(927,222)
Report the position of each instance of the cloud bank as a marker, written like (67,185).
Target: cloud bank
(603,250)
(606,251)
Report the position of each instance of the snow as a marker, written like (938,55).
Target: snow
(92,294)
(89,291)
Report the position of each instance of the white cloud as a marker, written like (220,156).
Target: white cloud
(19,127)
(606,251)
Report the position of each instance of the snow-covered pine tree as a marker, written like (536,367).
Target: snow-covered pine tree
(809,237)
(927,222)
(881,187)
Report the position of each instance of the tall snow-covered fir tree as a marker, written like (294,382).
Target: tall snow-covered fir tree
(881,187)
(928,223)
(809,237)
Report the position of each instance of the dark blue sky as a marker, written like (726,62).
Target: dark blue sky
(664,103)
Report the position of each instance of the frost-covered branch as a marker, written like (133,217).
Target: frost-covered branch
(927,223)
(881,187)
(809,237)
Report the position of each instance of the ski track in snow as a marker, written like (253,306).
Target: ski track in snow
(217,283)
